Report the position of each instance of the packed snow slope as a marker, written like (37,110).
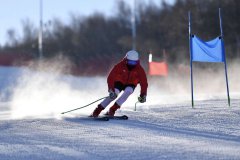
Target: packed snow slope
(32,126)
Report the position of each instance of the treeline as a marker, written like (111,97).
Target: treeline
(96,42)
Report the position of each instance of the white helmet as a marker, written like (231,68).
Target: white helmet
(132,55)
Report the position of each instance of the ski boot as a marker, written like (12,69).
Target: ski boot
(97,111)
(112,110)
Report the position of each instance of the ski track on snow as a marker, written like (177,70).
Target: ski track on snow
(161,132)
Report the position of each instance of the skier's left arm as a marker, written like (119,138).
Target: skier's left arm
(144,85)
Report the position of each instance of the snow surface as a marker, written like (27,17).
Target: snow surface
(32,127)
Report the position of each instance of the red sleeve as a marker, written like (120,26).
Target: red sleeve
(111,76)
(143,81)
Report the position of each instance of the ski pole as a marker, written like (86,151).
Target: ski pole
(135,109)
(83,106)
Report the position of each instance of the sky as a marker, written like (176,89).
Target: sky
(13,12)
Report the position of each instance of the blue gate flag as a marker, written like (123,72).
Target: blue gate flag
(211,51)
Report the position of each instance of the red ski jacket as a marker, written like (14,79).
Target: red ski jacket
(135,76)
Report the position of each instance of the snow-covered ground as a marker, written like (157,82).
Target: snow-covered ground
(165,127)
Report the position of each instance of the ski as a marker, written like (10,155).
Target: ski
(123,117)
(100,118)
(107,118)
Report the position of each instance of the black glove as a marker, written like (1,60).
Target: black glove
(112,94)
(142,98)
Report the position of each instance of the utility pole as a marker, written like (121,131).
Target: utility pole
(134,25)
(40,33)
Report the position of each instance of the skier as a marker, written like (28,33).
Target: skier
(124,76)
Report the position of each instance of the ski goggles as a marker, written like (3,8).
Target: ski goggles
(131,62)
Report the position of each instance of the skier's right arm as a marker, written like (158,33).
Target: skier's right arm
(111,78)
